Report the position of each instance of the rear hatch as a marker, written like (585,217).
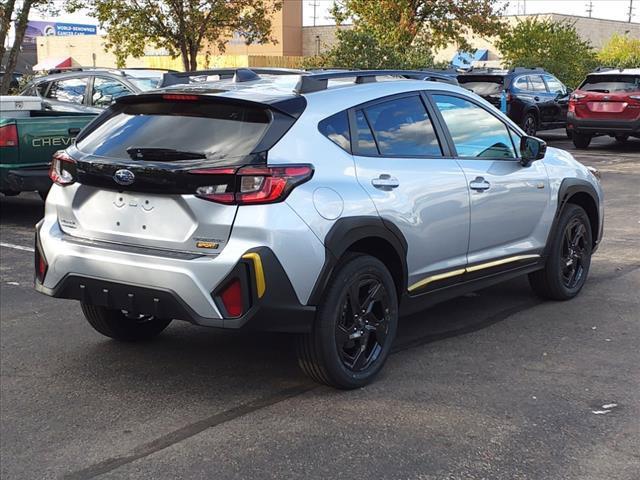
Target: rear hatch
(608,97)
(488,87)
(138,171)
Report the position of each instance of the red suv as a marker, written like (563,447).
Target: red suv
(606,103)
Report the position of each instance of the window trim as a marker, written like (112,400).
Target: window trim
(429,94)
(439,133)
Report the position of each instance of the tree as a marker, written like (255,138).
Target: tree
(403,24)
(358,49)
(555,46)
(621,51)
(179,26)
(6,12)
(21,27)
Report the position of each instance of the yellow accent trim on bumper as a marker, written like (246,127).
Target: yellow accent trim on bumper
(474,268)
(261,285)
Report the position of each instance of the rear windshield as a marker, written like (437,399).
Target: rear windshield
(611,83)
(482,85)
(211,130)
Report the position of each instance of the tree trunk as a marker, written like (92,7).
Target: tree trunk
(184,53)
(5,24)
(193,60)
(21,27)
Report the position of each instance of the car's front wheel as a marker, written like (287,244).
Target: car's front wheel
(354,327)
(568,257)
(120,325)
(580,140)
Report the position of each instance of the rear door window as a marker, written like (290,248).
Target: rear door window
(521,83)
(611,83)
(181,130)
(402,127)
(70,90)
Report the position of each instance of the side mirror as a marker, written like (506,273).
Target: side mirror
(531,149)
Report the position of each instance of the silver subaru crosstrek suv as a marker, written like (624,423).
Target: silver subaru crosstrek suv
(325,204)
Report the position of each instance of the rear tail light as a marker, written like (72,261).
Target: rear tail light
(634,97)
(252,185)
(8,136)
(231,297)
(577,96)
(63,169)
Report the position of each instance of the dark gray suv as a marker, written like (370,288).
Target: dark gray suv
(91,90)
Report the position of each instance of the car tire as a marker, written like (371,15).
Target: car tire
(569,133)
(43,194)
(347,350)
(621,138)
(568,259)
(529,124)
(580,140)
(121,326)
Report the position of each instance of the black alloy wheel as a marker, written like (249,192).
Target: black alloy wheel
(355,325)
(574,253)
(363,326)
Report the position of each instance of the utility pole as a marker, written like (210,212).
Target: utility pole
(630,10)
(589,8)
(315,4)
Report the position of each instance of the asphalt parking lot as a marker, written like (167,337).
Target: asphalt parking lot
(494,385)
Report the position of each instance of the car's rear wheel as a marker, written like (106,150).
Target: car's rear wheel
(529,124)
(120,325)
(355,325)
(580,140)
(569,257)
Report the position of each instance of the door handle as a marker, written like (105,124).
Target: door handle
(479,184)
(385,182)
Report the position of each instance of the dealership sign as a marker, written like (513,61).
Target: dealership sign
(46,29)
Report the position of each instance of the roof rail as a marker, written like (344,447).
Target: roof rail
(241,74)
(607,69)
(314,82)
(51,71)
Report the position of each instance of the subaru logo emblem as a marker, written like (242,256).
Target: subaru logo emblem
(124,177)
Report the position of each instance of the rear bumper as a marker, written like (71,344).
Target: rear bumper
(170,286)
(26,180)
(603,127)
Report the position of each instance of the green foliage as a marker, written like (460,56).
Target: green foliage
(404,33)
(181,27)
(554,46)
(358,49)
(620,51)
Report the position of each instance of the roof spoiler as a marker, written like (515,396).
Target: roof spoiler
(314,82)
(241,74)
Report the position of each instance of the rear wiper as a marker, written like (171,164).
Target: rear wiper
(163,154)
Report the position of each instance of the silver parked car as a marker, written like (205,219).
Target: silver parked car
(325,204)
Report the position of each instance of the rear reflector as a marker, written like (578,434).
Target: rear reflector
(231,297)
(40,264)
(252,185)
(8,136)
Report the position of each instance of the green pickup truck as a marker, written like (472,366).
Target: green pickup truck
(28,139)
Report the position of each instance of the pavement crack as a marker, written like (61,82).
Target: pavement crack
(188,431)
